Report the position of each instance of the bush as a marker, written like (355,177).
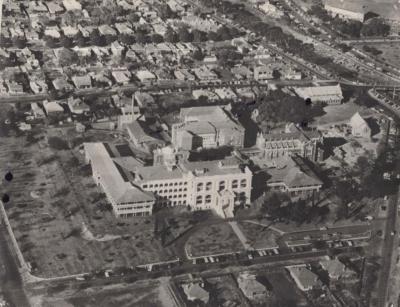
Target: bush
(58,143)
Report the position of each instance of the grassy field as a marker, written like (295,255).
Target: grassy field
(390,52)
(143,293)
(213,239)
(52,197)
(258,235)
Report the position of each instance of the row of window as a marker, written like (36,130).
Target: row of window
(222,185)
(133,208)
(160,185)
(170,191)
(199,199)
(174,196)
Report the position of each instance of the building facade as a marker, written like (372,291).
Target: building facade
(133,189)
(207,127)
(294,141)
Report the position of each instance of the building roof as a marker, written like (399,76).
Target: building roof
(295,174)
(118,187)
(52,106)
(358,121)
(319,91)
(250,286)
(304,278)
(194,292)
(334,267)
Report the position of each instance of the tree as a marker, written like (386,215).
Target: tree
(198,55)
(375,27)
(96,38)
(133,18)
(157,38)
(199,36)
(171,36)
(184,35)
(67,57)
(66,41)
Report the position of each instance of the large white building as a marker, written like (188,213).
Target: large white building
(133,188)
(329,94)
(207,127)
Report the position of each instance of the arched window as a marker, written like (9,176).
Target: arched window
(199,187)
(199,200)
(234,184)
(208,186)
(243,183)
(208,199)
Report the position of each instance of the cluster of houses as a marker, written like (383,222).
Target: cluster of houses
(93,65)
(198,289)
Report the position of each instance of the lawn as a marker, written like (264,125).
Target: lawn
(48,223)
(213,239)
(258,236)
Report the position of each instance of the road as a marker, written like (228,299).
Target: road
(10,281)
(388,249)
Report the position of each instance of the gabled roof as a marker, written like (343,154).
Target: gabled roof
(358,121)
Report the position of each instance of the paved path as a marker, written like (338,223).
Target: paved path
(240,235)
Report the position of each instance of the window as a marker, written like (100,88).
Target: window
(171,184)
(145,186)
(170,190)
(180,183)
(150,185)
(184,189)
(199,187)
(222,185)
(175,183)
(156,185)
(234,184)
(199,200)
(180,190)
(243,183)
(175,190)
(208,186)
(165,191)
(208,199)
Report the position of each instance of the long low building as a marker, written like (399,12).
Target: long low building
(329,94)
(133,188)
(126,198)
(296,179)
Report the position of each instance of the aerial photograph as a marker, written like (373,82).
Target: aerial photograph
(193,153)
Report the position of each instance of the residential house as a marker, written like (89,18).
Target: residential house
(77,106)
(52,108)
(303,277)
(204,74)
(184,75)
(82,82)
(145,76)
(263,72)
(38,86)
(37,111)
(251,288)
(61,84)
(335,269)
(121,76)
(194,291)
(72,5)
